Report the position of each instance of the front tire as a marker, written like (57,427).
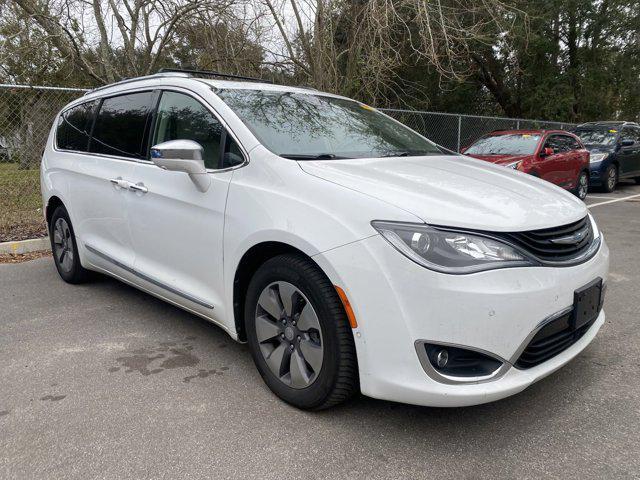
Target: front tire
(610,179)
(64,248)
(299,335)
(582,186)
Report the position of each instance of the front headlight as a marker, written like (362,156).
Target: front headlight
(450,251)
(597,157)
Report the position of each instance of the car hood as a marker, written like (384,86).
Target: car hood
(455,191)
(500,159)
(598,148)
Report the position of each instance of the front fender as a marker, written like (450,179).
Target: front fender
(273,200)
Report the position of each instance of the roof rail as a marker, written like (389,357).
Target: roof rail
(212,73)
(179,72)
(135,79)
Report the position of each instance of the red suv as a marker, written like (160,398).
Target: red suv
(554,155)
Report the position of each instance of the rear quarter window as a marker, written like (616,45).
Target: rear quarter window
(74,127)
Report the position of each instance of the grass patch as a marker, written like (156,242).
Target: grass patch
(20,203)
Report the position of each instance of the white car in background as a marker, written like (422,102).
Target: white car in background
(348,251)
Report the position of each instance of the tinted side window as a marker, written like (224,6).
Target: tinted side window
(569,143)
(121,124)
(631,133)
(575,144)
(232,154)
(555,143)
(74,127)
(181,117)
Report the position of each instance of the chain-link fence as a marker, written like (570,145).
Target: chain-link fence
(27,113)
(26,116)
(455,131)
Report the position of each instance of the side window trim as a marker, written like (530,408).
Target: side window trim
(151,124)
(223,147)
(93,124)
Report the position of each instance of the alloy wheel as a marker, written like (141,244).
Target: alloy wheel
(612,175)
(63,245)
(583,186)
(289,335)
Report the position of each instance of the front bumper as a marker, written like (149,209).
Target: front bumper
(596,174)
(397,302)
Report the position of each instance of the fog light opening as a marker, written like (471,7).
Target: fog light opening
(461,362)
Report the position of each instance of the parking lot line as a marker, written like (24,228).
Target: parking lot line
(614,201)
(600,197)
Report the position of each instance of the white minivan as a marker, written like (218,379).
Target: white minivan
(349,252)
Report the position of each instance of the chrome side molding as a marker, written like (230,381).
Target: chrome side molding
(149,279)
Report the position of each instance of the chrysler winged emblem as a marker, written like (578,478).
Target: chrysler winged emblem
(570,239)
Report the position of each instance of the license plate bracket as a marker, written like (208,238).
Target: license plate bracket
(586,303)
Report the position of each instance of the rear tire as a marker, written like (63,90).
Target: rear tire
(299,335)
(610,179)
(64,248)
(582,186)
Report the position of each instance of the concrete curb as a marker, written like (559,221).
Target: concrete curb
(25,246)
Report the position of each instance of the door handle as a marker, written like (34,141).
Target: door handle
(138,187)
(120,183)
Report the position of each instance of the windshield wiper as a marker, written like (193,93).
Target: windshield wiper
(406,153)
(311,156)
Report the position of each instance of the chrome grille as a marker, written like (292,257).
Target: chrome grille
(557,244)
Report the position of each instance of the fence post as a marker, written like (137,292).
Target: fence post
(518,125)
(459,131)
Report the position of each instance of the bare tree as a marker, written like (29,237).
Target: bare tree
(112,39)
(356,46)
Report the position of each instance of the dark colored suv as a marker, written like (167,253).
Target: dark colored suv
(615,151)
(553,155)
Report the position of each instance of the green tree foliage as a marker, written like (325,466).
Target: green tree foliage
(580,61)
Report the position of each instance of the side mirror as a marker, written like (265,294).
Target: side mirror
(546,152)
(627,142)
(182,156)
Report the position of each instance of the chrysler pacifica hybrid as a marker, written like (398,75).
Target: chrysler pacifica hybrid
(349,252)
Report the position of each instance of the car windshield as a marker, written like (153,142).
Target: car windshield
(599,136)
(305,126)
(510,144)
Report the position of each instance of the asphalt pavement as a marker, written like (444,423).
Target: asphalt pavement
(103,381)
